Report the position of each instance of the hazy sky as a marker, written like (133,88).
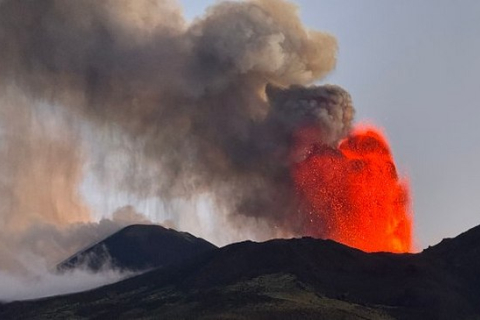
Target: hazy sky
(412,67)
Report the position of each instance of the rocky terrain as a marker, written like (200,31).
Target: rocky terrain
(287,279)
(137,248)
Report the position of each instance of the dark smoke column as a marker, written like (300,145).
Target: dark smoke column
(211,107)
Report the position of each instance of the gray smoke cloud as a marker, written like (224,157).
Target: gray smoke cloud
(42,213)
(211,107)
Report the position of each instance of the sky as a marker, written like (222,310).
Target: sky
(412,68)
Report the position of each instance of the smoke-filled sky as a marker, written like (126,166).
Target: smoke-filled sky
(194,122)
(126,98)
(412,67)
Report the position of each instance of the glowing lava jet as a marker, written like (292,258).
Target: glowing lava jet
(352,193)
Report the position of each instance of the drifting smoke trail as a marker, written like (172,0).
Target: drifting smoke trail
(208,108)
(41,211)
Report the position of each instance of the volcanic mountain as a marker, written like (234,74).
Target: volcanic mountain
(287,279)
(138,247)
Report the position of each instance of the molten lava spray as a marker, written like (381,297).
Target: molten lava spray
(353,194)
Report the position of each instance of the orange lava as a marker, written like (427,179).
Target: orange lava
(352,194)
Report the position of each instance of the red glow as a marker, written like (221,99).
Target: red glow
(352,194)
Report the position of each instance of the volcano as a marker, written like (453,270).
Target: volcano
(136,248)
(287,279)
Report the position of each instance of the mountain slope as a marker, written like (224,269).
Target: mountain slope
(288,279)
(138,247)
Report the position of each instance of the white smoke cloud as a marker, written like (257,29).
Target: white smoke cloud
(41,282)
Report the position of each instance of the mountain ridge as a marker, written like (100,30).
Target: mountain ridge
(137,247)
(285,278)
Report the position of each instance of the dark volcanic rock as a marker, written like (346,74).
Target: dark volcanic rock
(138,247)
(288,279)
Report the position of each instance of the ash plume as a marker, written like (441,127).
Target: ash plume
(208,107)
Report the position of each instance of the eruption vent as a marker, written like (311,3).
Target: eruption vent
(353,194)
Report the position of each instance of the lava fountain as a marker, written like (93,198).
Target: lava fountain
(352,193)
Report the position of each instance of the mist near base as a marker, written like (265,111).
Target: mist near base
(42,283)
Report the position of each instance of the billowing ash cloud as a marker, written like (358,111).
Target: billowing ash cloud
(211,107)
